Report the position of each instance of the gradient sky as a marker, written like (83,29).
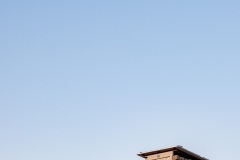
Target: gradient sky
(105,79)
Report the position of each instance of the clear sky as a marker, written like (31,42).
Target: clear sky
(106,79)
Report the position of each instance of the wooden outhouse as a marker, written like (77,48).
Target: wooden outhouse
(171,153)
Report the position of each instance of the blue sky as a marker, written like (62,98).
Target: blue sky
(103,79)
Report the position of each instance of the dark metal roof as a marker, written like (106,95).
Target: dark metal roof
(175,148)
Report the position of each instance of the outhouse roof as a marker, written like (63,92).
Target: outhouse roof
(178,149)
